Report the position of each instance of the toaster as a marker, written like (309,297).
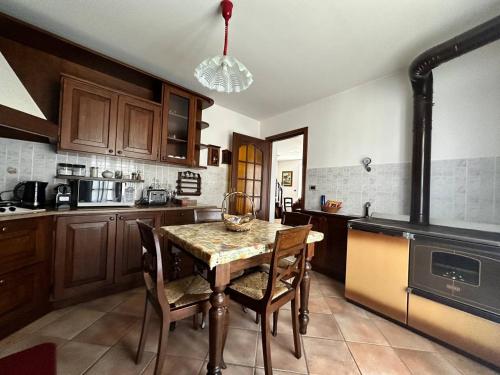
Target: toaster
(156,196)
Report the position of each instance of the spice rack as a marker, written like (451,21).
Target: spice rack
(188,183)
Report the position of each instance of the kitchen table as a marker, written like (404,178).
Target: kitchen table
(226,252)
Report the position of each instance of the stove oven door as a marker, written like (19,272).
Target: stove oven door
(466,273)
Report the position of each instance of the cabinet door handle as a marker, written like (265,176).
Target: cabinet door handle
(110,151)
(4,229)
(119,152)
(121,217)
(111,218)
(2,282)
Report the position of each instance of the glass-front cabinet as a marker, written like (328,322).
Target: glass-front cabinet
(178,136)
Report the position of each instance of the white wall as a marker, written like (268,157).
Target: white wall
(375,119)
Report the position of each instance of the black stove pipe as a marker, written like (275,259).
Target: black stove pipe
(421,80)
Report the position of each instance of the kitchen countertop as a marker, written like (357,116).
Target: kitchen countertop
(339,213)
(395,227)
(97,211)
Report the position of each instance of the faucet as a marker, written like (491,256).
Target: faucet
(366,209)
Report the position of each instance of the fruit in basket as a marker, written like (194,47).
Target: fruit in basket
(333,204)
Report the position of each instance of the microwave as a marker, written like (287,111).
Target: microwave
(95,193)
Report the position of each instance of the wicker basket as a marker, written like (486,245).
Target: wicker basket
(237,223)
(330,210)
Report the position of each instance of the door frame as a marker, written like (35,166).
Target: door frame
(290,134)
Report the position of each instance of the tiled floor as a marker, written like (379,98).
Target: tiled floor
(101,337)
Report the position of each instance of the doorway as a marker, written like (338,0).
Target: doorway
(288,172)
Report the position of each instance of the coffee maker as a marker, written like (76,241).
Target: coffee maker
(63,196)
(31,193)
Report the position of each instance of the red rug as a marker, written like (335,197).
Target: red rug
(38,360)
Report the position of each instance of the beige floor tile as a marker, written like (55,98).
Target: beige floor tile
(118,360)
(232,370)
(240,319)
(188,342)
(331,288)
(107,303)
(400,337)
(377,359)
(260,371)
(71,324)
(358,329)
(465,365)
(131,338)
(46,319)
(324,355)
(74,358)
(133,305)
(240,347)
(107,330)
(282,354)
(423,363)
(315,289)
(339,305)
(27,342)
(318,305)
(323,326)
(176,366)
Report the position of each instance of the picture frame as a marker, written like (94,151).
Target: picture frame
(287,178)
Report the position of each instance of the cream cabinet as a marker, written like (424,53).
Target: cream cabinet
(377,272)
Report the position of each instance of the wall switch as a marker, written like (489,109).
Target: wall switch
(312,187)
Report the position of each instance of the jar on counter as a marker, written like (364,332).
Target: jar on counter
(64,169)
(79,170)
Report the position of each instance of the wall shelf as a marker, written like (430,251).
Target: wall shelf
(66,177)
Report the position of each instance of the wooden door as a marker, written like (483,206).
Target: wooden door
(178,134)
(138,128)
(84,254)
(251,167)
(128,267)
(88,117)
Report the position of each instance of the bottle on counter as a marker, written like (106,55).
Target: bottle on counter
(322,200)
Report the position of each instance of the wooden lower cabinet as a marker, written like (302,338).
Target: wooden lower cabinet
(377,272)
(128,268)
(84,254)
(330,254)
(24,272)
(467,332)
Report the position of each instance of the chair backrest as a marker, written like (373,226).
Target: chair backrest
(288,242)
(152,266)
(287,203)
(295,219)
(207,215)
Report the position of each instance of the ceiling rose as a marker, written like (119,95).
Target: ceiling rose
(224,73)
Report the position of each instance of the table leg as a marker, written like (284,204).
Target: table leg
(304,298)
(216,330)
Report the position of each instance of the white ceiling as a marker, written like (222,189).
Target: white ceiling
(298,50)
(289,149)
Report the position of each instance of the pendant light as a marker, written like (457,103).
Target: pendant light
(224,73)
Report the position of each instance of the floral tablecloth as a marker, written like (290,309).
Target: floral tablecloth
(214,244)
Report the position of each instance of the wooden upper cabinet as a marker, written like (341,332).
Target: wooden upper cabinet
(84,254)
(88,117)
(178,134)
(138,128)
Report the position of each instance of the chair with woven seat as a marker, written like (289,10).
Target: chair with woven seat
(172,301)
(265,292)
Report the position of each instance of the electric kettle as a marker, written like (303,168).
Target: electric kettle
(31,193)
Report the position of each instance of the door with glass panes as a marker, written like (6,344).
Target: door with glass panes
(250,173)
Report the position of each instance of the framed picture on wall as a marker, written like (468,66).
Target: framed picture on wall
(286,178)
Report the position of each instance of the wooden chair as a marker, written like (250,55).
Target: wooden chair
(172,301)
(265,292)
(207,215)
(295,219)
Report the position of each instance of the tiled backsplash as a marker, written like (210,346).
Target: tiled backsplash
(37,161)
(461,190)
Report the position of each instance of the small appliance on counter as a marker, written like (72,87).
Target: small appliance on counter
(11,208)
(95,192)
(63,196)
(156,197)
(31,194)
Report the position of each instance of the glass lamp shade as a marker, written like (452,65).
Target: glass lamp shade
(223,74)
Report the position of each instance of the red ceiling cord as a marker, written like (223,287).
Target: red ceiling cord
(227,10)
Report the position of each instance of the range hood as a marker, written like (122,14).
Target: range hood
(16,103)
